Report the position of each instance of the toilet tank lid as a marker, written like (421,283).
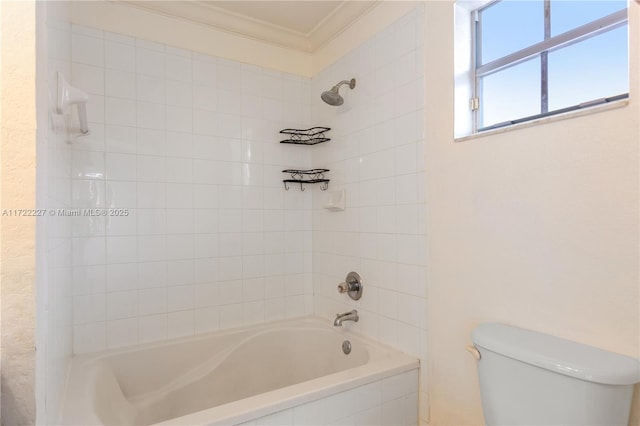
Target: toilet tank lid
(557,354)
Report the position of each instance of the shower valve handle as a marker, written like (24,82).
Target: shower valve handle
(352,286)
(344,287)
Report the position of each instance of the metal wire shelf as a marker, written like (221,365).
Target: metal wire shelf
(309,176)
(312,136)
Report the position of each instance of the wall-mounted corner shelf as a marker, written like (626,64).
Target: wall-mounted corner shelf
(312,136)
(304,177)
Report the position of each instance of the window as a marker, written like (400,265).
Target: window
(531,59)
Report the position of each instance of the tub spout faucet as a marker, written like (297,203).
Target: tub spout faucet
(347,316)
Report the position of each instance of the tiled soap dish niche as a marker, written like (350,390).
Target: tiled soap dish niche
(312,136)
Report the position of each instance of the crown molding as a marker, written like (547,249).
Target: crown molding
(338,21)
(341,18)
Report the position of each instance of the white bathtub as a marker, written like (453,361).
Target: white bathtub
(233,376)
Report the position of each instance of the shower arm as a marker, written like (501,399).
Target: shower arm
(351,83)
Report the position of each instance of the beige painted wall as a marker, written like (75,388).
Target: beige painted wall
(17,172)
(536,227)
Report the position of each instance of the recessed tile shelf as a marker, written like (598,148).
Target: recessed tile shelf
(312,136)
(306,177)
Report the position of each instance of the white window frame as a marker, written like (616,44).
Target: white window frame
(476,71)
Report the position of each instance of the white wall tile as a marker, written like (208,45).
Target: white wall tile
(340,405)
(205,98)
(88,165)
(89,279)
(150,89)
(89,337)
(205,221)
(94,141)
(122,332)
(146,44)
(180,247)
(205,122)
(120,84)
(179,144)
(151,115)
(393,412)
(152,301)
(178,67)
(179,170)
(120,111)
(151,142)
(205,72)
(96,109)
(120,56)
(87,50)
(122,277)
(89,308)
(180,272)
(152,328)
(150,62)
(152,248)
(89,78)
(229,102)
(88,31)
(180,323)
(206,294)
(119,38)
(122,304)
(179,195)
(205,245)
(120,139)
(179,221)
(151,195)
(231,316)
(121,249)
(121,167)
(311,413)
(184,149)
(88,193)
(179,93)
(206,319)
(151,168)
(229,125)
(180,298)
(229,75)
(88,250)
(121,194)
(152,274)
(152,221)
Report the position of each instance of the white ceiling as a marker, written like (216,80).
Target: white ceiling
(299,16)
(301,25)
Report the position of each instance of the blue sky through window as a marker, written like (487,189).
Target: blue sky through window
(591,69)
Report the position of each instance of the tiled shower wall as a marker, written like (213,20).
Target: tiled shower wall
(187,146)
(377,157)
(54,192)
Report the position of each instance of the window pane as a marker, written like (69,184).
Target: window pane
(508,26)
(511,93)
(567,15)
(592,69)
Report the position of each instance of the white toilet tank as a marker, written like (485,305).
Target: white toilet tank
(530,378)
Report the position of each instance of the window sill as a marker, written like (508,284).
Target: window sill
(587,111)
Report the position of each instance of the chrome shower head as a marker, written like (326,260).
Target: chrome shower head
(332,97)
